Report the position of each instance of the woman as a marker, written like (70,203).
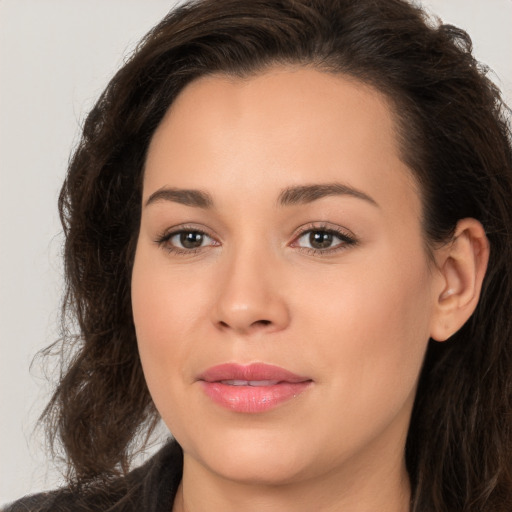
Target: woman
(278,212)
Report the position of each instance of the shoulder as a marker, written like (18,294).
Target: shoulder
(36,502)
(149,488)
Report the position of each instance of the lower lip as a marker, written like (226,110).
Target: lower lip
(253,399)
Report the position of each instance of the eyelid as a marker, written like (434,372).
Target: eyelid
(163,239)
(347,237)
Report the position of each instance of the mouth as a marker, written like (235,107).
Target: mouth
(250,382)
(253,388)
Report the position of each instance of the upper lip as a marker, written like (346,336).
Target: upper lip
(251,372)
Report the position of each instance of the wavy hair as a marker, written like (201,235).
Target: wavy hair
(454,136)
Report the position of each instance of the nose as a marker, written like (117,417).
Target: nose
(251,296)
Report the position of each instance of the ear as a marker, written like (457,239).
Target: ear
(461,266)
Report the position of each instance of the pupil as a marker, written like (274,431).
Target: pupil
(191,239)
(320,239)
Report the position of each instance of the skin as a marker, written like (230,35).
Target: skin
(354,317)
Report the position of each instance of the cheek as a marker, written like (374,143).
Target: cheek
(371,329)
(166,299)
(166,310)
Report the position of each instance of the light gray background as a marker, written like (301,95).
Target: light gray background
(55,58)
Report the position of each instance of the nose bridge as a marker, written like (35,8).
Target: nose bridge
(250,296)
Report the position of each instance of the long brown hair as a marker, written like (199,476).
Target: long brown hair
(454,137)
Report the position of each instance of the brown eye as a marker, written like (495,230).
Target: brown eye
(323,240)
(187,240)
(320,239)
(191,239)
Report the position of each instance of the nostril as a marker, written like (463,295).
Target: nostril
(262,322)
(254,325)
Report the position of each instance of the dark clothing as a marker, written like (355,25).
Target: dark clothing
(149,488)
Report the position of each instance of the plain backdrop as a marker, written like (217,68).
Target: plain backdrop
(55,58)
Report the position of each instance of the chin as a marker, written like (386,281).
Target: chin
(259,469)
(252,457)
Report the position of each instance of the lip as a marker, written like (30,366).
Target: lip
(253,388)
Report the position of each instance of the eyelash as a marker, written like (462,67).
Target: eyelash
(164,238)
(346,240)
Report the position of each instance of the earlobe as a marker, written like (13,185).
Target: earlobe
(461,267)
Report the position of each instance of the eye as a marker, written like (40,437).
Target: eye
(323,240)
(189,239)
(185,241)
(318,239)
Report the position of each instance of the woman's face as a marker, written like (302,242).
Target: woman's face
(280,227)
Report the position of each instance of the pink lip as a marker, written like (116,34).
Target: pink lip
(270,386)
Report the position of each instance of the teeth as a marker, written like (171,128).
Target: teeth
(250,382)
(235,382)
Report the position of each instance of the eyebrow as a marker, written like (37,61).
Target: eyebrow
(188,197)
(304,194)
(301,194)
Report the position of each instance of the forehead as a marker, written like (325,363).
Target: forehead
(287,125)
(282,98)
